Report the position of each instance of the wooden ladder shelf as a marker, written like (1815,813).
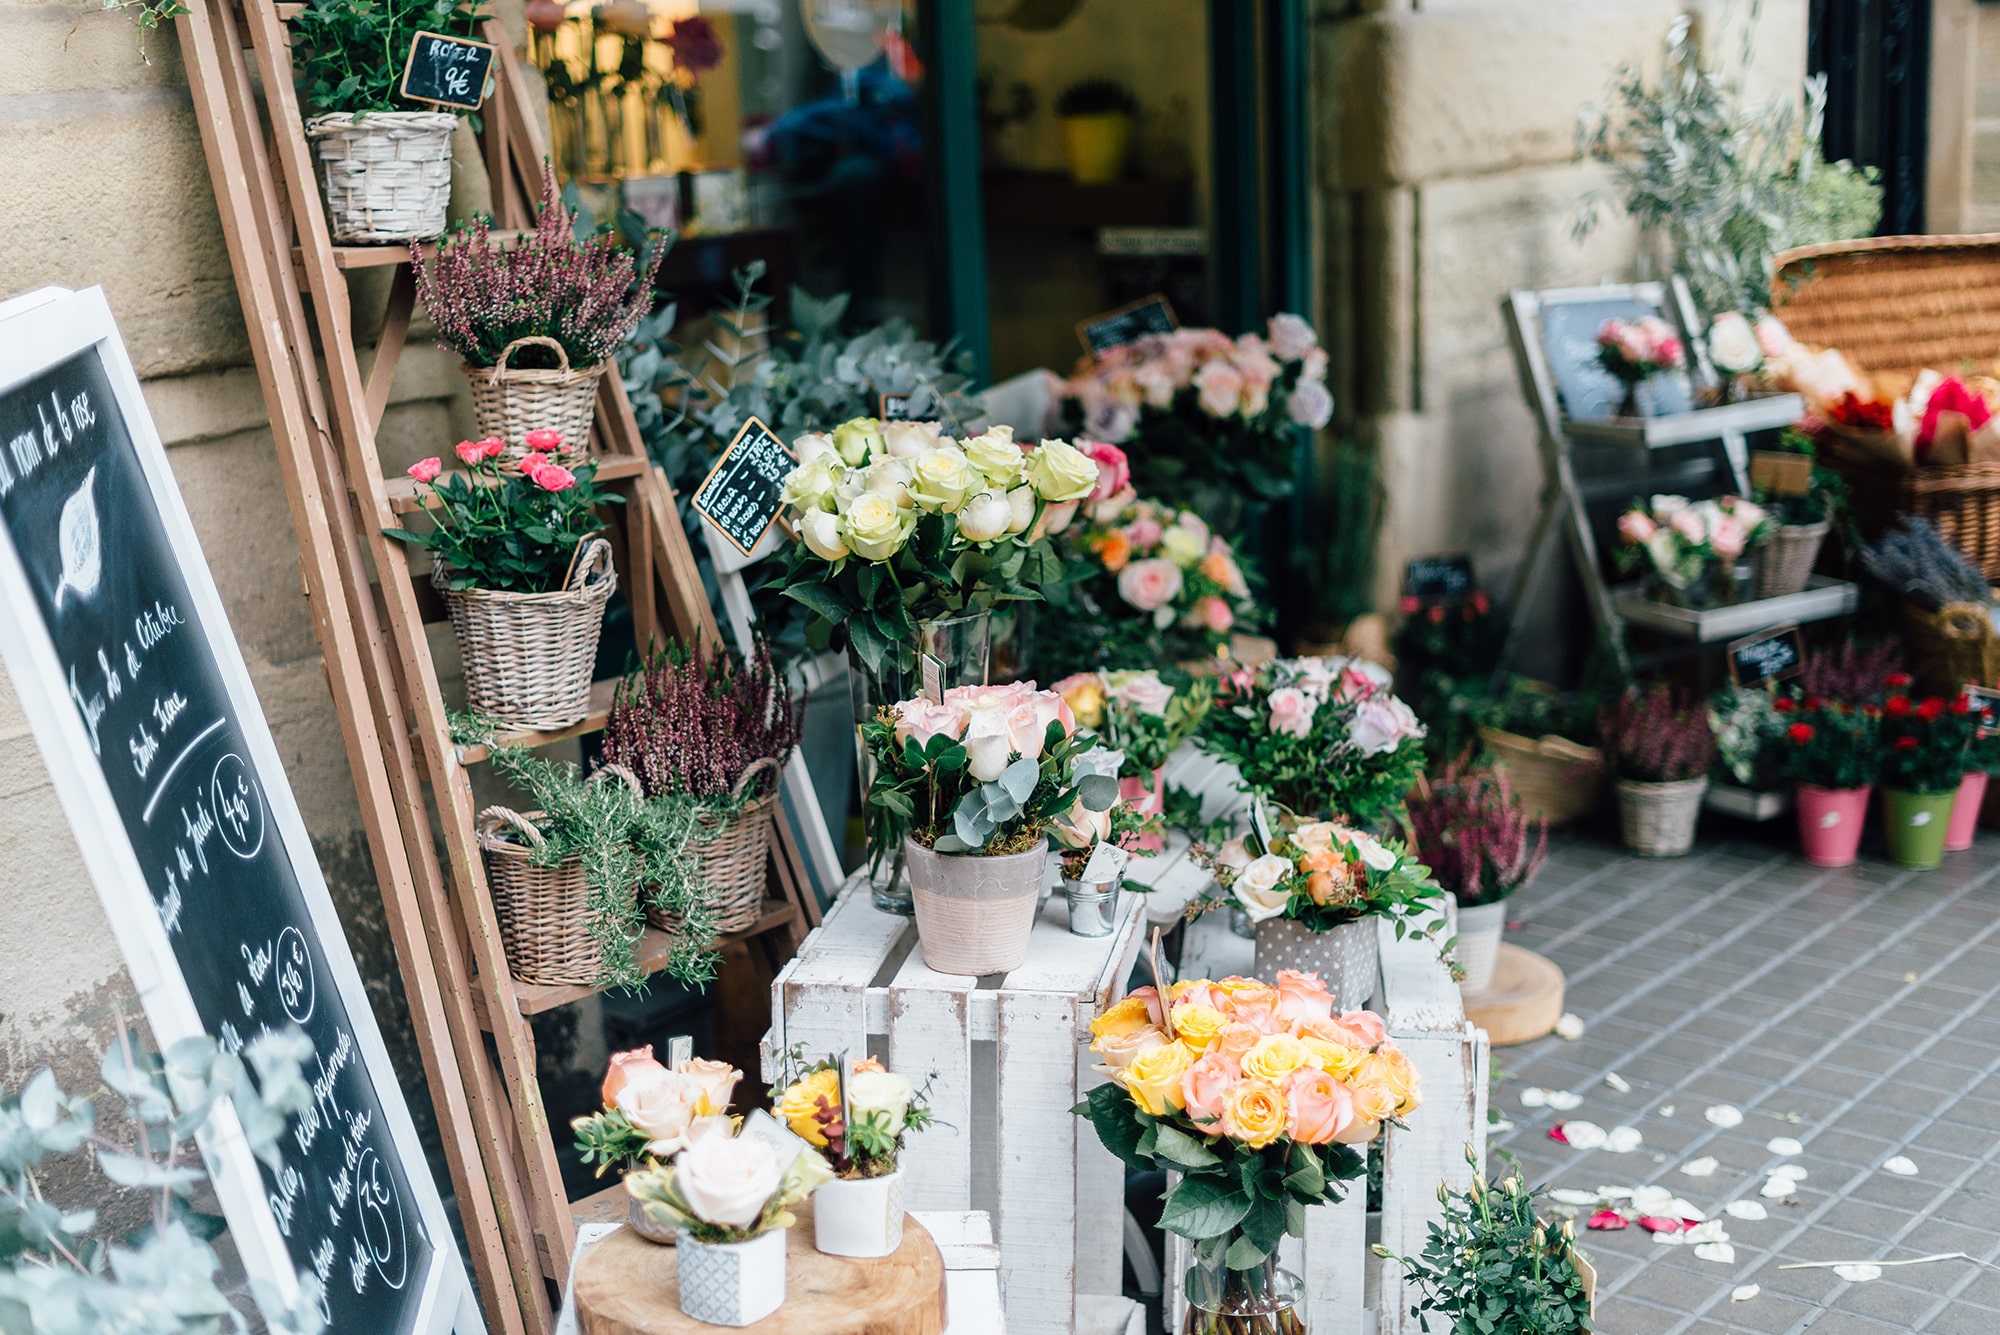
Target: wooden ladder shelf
(370,608)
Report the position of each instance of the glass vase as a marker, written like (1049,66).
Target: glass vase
(947,653)
(1263,1300)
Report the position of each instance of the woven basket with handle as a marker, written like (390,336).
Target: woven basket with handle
(529,657)
(1952,647)
(1785,562)
(732,856)
(510,403)
(1556,778)
(386,175)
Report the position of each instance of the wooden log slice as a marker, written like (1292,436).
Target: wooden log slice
(628,1286)
(1524,1002)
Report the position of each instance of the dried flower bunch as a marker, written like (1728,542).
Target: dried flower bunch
(1915,560)
(1473,833)
(691,723)
(1656,737)
(483,294)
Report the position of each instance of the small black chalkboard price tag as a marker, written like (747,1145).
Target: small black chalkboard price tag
(895,407)
(1769,656)
(446,71)
(1985,702)
(740,494)
(1127,324)
(1436,578)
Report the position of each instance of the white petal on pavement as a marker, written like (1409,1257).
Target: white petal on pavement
(1778,1188)
(1791,1172)
(1670,1239)
(1534,1097)
(1900,1166)
(1616,1193)
(1499,1128)
(1654,1201)
(1570,1027)
(1622,1140)
(1618,1082)
(1716,1251)
(1583,1135)
(1785,1145)
(1858,1273)
(1562,1100)
(1571,1196)
(1702,1167)
(1723,1115)
(1746,1210)
(1667,1111)
(1743,1293)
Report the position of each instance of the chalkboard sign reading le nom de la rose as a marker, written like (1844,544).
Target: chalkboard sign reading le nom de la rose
(1127,324)
(118,646)
(740,494)
(446,71)
(1771,656)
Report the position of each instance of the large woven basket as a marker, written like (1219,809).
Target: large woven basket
(1952,647)
(529,657)
(1555,777)
(732,857)
(1898,304)
(1785,562)
(1658,819)
(386,175)
(510,403)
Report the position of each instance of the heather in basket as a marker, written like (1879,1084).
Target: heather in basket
(506,528)
(1660,747)
(1480,844)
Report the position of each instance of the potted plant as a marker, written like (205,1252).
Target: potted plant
(535,322)
(716,729)
(1324,737)
(728,1197)
(857,1117)
(1982,758)
(1490,1265)
(385,164)
(1544,739)
(1660,749)
(1831,753)
(1749,728)
(1800,518)
(1145,719)
(1096,119)
(1634,351)
(1689,549)
(1248,1133)
(515,553)
(649,1109)
(1471,831)
(1925,744)
(1950,619)
(975,780)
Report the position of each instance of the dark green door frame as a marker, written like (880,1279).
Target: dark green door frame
(958,304)
(1236,278)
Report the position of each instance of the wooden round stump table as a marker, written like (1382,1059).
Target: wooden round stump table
(1524,1002)
(626,1285)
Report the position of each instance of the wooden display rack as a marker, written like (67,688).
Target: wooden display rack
(369,611)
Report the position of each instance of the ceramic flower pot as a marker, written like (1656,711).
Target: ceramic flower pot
(1347,959)
(975,913)
(1830,821)
(1145,798)
(1964,822)
(732,1283)
(1658,819)
(1480,928)
(859,1216)
(647,1227)
(1915,825)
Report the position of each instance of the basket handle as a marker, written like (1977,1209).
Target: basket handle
(619,771)
(590,564)
(1964,621)
(751,772)
(536,340)
(509,816)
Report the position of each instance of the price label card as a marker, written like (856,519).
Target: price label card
(1107,863)
(446,71)
(1127,324)
(895,408)
(1780,472)
(1770,656)
(740,494)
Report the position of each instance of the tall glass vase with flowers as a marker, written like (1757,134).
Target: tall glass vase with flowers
(1925,742)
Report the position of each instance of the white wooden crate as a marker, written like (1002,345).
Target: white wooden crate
(1007,1059)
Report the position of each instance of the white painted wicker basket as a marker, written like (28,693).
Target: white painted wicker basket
(386,174)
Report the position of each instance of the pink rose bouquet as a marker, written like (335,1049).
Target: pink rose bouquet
(1637,350)
(1680,541)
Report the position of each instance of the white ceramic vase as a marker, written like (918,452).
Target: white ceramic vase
(1480,928)
(732,1283)
(859,1216)
(1346,959)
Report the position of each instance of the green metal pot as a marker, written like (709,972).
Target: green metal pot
(1915,824)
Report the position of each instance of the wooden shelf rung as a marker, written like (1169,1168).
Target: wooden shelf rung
(600,710)
(608,1206)
(402,491)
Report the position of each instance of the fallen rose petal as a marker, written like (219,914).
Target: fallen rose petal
(1900,1166)
(1569,1027)
(1743,1293)
(1858,1273)
(1670,1239)
(1716,1251)
(1702,1167)
(1778,1188)
(1667,1111)
(1654,1200)
(1789,1171)
(1557,1132)
(1616,1193)
(1617,1082)
(1583,1135)
(1622,1140)
(1746,1210)
(1709,1230)
(1608,1220)
(1724,1116)
(1660,1224)
(1571,1196)
(1534,1098)
(1785,1145)
(1562,1100)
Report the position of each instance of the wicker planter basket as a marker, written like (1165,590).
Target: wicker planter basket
(529,657)
(386,175)
(1556,778)
(1952,647)
(1785,563)
(509,403)
(733,856)
(1658,819)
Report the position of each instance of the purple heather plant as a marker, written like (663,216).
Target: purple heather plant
(1471,830)
(1655,736)
(482,294)
(691,723)
(1853,672)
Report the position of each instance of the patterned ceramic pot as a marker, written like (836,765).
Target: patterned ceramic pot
(1346,959)
(859,1216)
(732,1283)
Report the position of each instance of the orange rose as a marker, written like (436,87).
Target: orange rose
(870,1064)
(1374,1100)
(1355,1029)
(1114,549)
(1359,1132)
(1388,1067)
(624,1065)
(1205,1085)
(1218,567)
(1318,1106)
(1254,1113)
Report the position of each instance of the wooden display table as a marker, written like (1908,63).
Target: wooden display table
(626,1285)
(1524,1001)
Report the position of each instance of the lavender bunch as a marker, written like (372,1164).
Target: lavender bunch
(691,724)
(1471,830)
(1655,737)
(482,295)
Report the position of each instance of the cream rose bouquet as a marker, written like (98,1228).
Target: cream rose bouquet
(857,1117)
(900,524)
(650,1108)
(1254,1095)
(1681,542)
(1322,875)
(726,1187)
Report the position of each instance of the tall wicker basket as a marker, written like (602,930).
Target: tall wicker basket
(386,175)
(1784,563)
(510,403)
(732,855)
(529,657)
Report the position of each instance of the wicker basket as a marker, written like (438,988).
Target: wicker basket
(1897,305)
(509,403)
(732,858)
(544,912)
(1555,777)
(1785,563)
(386,174)
(529,657)
(1952,647)
(1658,819)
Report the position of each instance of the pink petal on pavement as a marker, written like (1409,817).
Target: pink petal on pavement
(1556,1133)
(1660,1224)
(1608,1219)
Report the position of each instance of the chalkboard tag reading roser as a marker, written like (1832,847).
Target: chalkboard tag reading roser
(895,408)
(1772,656)
(1431,579)
(446,71)
(1127,324)
(740,494)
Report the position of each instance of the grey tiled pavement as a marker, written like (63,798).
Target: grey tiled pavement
(1857,1011)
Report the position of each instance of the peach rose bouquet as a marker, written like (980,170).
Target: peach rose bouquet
(1255,1094)
(650,1107)
(1321,874)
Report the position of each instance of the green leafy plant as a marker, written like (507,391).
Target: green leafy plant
(1491,1267)
(511,529)
(348,55)
(1096,97)
(1829,743)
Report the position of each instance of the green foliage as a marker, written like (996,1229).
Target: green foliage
(1828,743)
(1339,565)
(928,789)
(1925,742)
(149,14)
(607,1137)
(505,530)
(57,1279)
(348,55)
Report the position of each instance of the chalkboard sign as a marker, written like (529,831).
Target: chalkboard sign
(895,408)
(1436,578)
(1769,656)
(1985,702)
(1587,390)
(447,71)
(740,494)
(1127,324)
(118,646)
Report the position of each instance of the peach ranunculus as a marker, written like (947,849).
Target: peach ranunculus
(1197,1025)
(1150,585)
(1213,614)
(1254,1112)
(1204,1085)
(1275,1057)
(1114,549)
(624,1065)
(717,1081)
(1153,1078)
(1318,1107)
(1314,836)
(1302,996)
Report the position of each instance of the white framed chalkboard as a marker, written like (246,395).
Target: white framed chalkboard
(132,682)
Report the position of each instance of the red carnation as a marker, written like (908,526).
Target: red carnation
(1800,733)
(1898,706)
(1814,702)
(1783,704)
(1930,709)
(1906,743)
(1897,681)
(1409,604)
(1961,706)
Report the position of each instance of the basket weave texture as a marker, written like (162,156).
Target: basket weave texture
(732,857)
(386,174)
(510,403)
(1658,819)
(1556,778)
(1899,304)
(529,657)
(1785,563)
(1952,647)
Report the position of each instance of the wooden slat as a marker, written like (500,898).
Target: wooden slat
(650,955)
(1036,1142)
(389,347)
(820,998)
(930,1040)
(600,710)
(401,491)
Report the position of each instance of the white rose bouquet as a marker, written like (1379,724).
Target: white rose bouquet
(650,1108)
(857,1115)
(899,524)
(1322,874)
(725,1187)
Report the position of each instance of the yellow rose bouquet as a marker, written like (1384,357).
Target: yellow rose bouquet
(1255,1094)
(856,1115)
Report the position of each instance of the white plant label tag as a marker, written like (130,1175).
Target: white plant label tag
(1107,863)
(933,678)
(1921,818)
(1829,820)
(760,1125)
